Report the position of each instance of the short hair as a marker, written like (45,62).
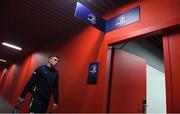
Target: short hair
(53,56)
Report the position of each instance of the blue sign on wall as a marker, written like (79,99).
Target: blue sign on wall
(123,19)
(93,73)
(86,15)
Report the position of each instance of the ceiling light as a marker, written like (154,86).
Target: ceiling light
(2,60)
(11,46)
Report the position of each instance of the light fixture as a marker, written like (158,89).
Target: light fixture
(11,46)
(2,60)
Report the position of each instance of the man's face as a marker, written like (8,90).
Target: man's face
(53,61)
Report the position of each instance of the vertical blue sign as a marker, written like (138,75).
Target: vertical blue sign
(93,73)
(123,19)
(86,15)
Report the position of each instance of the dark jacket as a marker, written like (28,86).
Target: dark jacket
(43,83)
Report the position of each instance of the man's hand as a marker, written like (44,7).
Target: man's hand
(55,106)
(20,100)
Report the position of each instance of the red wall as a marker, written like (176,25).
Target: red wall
(75,55)
(169,97)
(16,78)
(2,78)
(171,48)
(156,16)
(85,47)
(2,73)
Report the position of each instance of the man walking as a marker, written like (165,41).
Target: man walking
(43,83)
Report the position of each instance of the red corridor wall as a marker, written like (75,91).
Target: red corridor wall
(87,46)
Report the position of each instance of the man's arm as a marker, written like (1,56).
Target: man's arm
(32,81)
(55,94)
(55,91)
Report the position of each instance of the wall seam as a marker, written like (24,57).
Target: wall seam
(170,72)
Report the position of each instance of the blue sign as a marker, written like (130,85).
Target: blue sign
(86,15)
(93,73)
(123,19)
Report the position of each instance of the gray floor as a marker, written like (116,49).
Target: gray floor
(5,107)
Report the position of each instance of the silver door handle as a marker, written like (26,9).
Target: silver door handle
(145,106)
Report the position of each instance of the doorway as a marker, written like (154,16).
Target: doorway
(137,78)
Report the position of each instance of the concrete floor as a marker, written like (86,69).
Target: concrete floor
(5,107)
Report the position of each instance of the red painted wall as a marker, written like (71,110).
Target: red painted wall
(85,47)
(3,78)
(2,73)
(156,16)
(75,55)
(169,97)
(171,40)
(16,78)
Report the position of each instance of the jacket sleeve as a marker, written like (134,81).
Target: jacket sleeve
(32,81)
(56,91)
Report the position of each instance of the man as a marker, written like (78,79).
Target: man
(43,83)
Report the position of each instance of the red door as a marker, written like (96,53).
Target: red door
(128,85)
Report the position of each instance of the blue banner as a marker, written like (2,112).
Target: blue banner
(93,73)
(86,15)
(126,18)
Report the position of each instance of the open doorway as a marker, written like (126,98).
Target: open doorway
(137,74)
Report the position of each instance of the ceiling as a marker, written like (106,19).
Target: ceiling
(31,24)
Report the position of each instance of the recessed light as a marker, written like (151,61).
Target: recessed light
(11,46)
(2,60)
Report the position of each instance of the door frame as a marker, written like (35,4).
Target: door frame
(167,67)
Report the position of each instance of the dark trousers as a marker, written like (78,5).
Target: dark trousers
(38,105)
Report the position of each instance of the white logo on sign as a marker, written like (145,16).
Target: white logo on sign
(120,21)
(93,69)
(92,18)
